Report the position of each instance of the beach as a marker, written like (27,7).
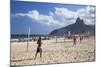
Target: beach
(53,53)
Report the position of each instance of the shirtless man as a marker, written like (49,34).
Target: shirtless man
(81,38)
(74,40)
(39,49)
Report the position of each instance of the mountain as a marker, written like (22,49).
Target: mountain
(77,28)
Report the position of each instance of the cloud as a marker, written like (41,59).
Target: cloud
(65,16)
(35,15)
(64,12)
(62,16)
(88,14)
(68,17)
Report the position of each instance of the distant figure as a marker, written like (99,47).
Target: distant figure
(56,39)
(81,38)
(65,38)
(74,40)
(39,49)
(34,39)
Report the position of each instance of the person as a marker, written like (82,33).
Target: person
(81,38)
(39,49)
(74,40)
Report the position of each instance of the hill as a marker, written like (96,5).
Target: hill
(77,28)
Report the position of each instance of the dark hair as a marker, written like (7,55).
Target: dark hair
(39,37)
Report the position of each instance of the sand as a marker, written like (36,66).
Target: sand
(60,52)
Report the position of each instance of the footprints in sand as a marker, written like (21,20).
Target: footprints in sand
(52,53)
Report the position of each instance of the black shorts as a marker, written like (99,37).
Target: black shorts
(39,49)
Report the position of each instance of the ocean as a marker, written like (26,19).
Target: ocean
(26,36)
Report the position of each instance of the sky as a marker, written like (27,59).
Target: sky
(42,18)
